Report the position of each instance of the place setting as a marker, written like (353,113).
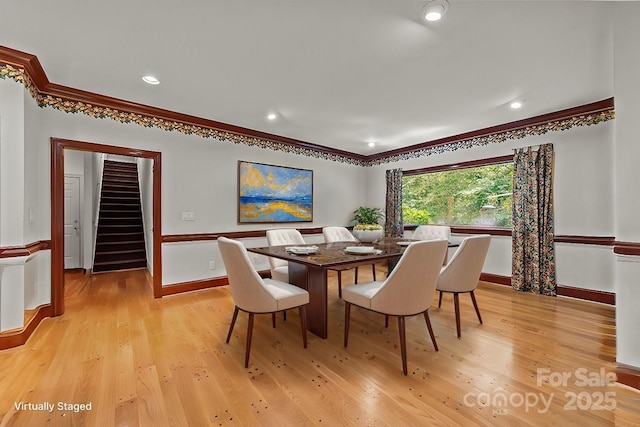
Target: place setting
(302,250)
(362,250)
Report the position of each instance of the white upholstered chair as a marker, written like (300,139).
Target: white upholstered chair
(342,234)
(408,291)
(431,232)
(462,273)
(337,234)
(255,295)
(277,237)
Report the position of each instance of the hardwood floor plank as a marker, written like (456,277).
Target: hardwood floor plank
(536,361)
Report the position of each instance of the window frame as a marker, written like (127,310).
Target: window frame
(466,229)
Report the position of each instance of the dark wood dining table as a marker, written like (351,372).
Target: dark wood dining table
(309,272)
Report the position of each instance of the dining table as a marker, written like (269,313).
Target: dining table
(308,266)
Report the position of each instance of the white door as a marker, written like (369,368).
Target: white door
(72,222)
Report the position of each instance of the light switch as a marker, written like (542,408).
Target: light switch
(188,216)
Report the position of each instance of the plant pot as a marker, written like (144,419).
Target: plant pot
(367,236)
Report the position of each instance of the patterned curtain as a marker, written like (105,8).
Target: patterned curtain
(534,266)
(393,226)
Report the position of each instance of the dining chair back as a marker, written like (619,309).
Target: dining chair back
(277,237)
(462,273)
(431,232)
(410,287)
(407,291)
(337,234)
(342,234)
(254,295)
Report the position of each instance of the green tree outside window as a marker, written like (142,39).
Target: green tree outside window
(470,196)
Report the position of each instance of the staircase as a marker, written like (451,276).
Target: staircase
(120,235)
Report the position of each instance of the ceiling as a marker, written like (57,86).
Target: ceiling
(338,73)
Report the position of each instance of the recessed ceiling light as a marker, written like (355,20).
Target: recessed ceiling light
(272,116)
(515,105)
(371,144)
(434,14)
(435,10)
(151,80)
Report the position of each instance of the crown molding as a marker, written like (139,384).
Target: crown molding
(583,115)
(26,69)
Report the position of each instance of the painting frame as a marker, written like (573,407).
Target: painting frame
(270,194)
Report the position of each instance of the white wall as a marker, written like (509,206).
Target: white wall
(32,192)
(11,163)
(583,197)
(12,289)
(200,175)
(627,192)
(25,282)
(37,280)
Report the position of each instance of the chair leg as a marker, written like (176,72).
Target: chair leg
(340,283)
(347,316)
(356,278)
(249,333)
(456,305)
(273,319)
(284,315)
(233,322)
(303,324)
(433,337)
(440,300)
(386,320)
(475,304)
(403,343)
(373,268)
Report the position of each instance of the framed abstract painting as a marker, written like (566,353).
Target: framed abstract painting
(269,193)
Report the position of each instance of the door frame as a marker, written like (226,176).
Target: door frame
(58,145)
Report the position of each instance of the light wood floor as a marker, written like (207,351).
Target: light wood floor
(152,362)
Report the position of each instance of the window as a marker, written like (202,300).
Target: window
(472,193)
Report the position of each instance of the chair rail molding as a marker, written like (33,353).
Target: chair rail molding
(626,248)
(174,238)
(26,250)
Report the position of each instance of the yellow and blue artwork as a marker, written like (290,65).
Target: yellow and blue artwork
(268,193)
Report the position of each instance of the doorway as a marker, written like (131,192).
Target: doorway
(58,146)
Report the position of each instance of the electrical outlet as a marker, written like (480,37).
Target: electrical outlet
(212,265)
(188,216)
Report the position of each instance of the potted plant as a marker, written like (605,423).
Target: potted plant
(367,228)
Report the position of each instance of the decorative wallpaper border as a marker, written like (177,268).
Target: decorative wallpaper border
(534,130)
(74,106)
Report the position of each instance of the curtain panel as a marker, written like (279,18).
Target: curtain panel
(533,250)
(393,225)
